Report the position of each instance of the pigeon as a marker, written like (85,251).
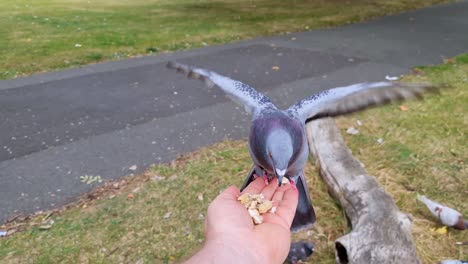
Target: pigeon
(448,216)
(454,261)
(299,251)
(277,138)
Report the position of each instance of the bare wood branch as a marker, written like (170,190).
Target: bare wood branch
(381,233)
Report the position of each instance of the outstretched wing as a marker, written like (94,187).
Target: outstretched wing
(239,92)
(349,99)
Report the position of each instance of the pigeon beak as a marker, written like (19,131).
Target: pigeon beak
(280,174)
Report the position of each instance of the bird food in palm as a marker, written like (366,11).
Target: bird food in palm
(256,205)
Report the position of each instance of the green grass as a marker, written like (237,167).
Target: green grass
(40,35)
(424,151)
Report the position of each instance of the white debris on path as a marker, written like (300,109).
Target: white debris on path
(392,78)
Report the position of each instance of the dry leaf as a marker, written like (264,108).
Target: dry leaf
(404,108)
(157,178)
(167,215)
(275,68)
(200,196)
(45,227)
(130,196)
(440,231)
(352,131)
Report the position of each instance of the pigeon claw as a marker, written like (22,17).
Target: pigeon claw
(293,184)
(265,178)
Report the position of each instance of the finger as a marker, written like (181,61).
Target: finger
(255,187)
(269,190)
(287,208)
(232,192)
(278,195)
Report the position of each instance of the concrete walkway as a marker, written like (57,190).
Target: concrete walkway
(102,119)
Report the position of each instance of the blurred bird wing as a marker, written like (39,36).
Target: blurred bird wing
(349,99)
(241,93)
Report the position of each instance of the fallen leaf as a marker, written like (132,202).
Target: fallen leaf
(46,225)
(157,178)
(404,108)
(90,179)
(167,215)
(352,131)
(130,196)
(359,122)
(200,196)
(275,68)
(440,231)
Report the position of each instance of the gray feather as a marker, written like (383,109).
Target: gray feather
(349,99)
(246,96)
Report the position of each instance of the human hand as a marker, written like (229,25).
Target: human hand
(231,236)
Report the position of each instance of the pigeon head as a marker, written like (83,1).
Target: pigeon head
(280,151)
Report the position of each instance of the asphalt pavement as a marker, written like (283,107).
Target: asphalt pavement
(102,119)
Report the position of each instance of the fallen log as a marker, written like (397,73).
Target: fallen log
(381,233)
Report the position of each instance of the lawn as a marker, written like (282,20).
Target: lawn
(46,35)
(157,217)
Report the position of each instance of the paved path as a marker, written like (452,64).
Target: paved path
(102,119)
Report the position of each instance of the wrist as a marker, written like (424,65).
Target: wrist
(225,251)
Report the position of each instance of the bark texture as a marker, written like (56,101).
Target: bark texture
(381,233)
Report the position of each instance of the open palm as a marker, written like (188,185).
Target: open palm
(229,223)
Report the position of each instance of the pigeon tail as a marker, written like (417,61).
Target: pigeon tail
(305,213)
